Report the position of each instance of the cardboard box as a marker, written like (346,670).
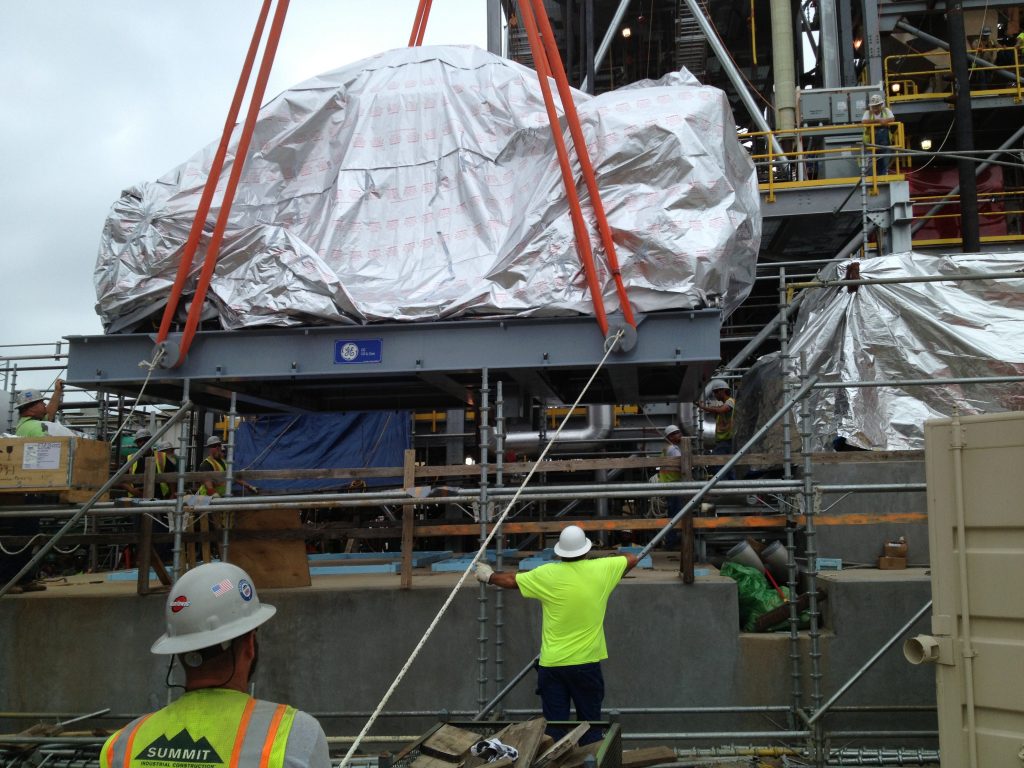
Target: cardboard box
(73,467)
(892,563)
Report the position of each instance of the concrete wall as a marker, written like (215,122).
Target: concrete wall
(339,650)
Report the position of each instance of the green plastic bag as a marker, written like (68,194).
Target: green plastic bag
(756,595)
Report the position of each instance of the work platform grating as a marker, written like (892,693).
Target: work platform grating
(411,365)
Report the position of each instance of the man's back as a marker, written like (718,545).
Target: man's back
(219,726)
(574,596)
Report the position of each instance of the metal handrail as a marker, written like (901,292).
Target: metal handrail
(893,76)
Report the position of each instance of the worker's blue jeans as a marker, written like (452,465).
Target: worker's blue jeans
(583,684)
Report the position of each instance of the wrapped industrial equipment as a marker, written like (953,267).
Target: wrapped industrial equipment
(900,331)
(422,184)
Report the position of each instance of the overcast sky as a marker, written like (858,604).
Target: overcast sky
(100,94)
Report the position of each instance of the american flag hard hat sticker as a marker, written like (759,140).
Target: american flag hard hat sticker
(222,587)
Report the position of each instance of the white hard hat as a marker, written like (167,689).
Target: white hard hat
(876,100)
(27,397)
(572,542)
(142,435)
(716,384)
(213,440)
(165,445)
(671,429)
(211,604)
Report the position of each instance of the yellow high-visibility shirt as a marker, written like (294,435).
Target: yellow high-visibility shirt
(573,597)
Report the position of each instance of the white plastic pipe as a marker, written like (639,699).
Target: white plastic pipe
(783,59)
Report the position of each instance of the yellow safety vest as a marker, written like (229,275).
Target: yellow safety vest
(667,474)
(208,728)
(216,466)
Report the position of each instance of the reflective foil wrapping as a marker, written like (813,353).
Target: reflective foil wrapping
(911,331)
(423,184)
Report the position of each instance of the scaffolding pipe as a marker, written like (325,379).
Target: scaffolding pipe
(920,382)
(177,513)
(868,664)
(499,548)
(44,550)
(725,59)
(795,673)
(609,35)
(546,495)
(229,475)
(908,280)
(781,319)
(485,518)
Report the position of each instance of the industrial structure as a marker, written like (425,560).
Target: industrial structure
(528,420)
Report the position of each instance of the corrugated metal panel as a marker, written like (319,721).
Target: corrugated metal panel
(975,470)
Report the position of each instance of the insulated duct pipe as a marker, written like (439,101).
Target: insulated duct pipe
(733,73)
(783,59)
(599,424)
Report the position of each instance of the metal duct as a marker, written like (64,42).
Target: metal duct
(599,424)
(785,68)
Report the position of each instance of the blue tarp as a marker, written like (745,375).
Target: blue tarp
(324,440)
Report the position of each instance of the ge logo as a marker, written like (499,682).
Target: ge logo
(349,351)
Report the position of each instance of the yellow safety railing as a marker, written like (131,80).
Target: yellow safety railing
(932,77)
(804,156)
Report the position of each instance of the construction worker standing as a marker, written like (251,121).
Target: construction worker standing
(671,473)
(722,405)
(214,462)
(573,594)
(34,412)
(212,614)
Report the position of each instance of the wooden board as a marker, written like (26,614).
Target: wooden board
(525,737)
(640,758)
(576,756)
(562,746)
(449,743)
(270,563)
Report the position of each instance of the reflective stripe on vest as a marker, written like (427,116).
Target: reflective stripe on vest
(260,739)
(217,466)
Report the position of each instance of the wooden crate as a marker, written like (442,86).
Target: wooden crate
(73,467)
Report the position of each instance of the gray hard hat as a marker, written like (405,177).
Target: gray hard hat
(143,435)
(213,440)
(165,445)
(26,397)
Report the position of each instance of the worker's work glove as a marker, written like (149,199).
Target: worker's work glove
(483,573)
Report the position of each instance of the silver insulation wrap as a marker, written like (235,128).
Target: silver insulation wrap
(888,332)
(423,184)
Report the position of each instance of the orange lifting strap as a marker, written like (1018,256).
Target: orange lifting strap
(242,150)
(548,63)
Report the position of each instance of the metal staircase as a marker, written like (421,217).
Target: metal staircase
(691,46)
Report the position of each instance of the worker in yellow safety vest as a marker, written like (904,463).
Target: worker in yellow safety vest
(212,613)
(214,462)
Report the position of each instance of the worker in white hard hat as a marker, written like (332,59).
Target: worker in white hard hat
(723,405)
(137,461)
(877,119)
(34,411)
(573,594)
(671,472)
(214,462)
(212,614)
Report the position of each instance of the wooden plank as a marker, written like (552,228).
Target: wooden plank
(525,737)
(686,549)
(408,518)
(576,756)
(449,743)
(641,758)
(271,563)
(562,746)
